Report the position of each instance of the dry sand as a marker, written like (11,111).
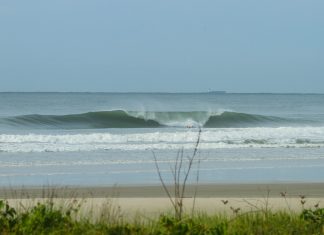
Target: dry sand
(152,200)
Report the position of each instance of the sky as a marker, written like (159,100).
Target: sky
(162,45)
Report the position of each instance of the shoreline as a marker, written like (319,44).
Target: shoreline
(244,190)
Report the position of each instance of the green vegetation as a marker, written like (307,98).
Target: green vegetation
(45,218)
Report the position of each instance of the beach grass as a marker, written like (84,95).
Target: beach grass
(47,217)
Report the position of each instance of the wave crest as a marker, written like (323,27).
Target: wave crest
(132,119)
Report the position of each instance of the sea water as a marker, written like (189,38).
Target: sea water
(112,138)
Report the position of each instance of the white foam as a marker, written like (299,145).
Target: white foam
(177,119)
(306,137)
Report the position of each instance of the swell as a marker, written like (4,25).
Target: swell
(233,119)
(131,119)
(90,120)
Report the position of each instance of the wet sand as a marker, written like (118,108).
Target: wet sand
(142,191)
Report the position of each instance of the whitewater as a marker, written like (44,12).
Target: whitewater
(109,138)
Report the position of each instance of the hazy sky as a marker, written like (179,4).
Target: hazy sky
(162,45)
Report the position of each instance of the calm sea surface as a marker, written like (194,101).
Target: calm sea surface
(110,138)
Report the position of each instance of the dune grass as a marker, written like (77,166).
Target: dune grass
(47,218)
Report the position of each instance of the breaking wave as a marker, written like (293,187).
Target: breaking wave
(132,119)
(259,137)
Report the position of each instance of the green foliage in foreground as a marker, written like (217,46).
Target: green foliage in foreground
(46,219)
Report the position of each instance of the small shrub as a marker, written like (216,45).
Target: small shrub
(315,216)
(44,218)
(8,216)
(188,226)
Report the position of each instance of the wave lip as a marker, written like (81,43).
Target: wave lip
(90,120)
(133,119)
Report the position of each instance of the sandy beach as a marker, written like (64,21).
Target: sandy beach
(152,200)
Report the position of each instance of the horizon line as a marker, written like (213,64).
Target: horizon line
(167,92)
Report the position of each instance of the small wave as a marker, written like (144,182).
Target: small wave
(287,137)
(255,141)
(132,119)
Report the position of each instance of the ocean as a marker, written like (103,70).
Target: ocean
(97,139)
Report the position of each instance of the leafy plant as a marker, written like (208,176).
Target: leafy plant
(8,216)
(173,226)
(315,216)
(44,218)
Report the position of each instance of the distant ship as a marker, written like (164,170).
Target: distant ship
(216,92)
